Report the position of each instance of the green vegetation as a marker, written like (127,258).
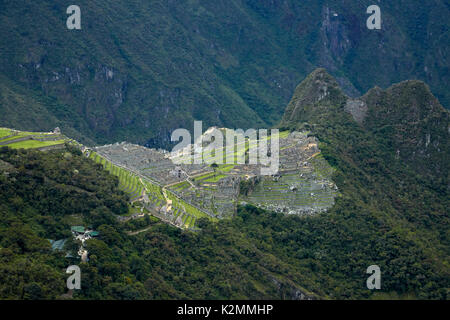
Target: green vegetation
(321,167)
(128,182)
(15,137)
(5,132)
(39,194)
(215,178)
(30,140)
(32,144)
(284,134)
(181,186)
(241,59)
(225,168)
(178,203)
(204,176)
(153,189)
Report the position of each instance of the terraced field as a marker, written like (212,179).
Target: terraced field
(5,132)
(307,191)
(208,192)
(184,212)
(31,140)
(182,193)
(128,182)
(153,196)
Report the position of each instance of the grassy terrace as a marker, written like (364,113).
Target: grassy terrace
(33,144)
(155,194)
(238,150)
(5,132)
(278,193)
(215,178)
(321,167)
(181,186)
(12,139)
(212,177)
(191,213)
(128,182)
(284,134)
(183,210)
(154,190)
(134,187)
(309,190)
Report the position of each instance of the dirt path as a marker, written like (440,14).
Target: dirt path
(168,201)
(138,232)
(314,155)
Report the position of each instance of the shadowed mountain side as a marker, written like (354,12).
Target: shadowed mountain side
(137,69)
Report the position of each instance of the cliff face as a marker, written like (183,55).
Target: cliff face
(415,124)
(136,71)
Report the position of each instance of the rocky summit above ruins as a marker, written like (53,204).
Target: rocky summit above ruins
(406,115)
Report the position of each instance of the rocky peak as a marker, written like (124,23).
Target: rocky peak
(407,118)
(318,89)
(406,101)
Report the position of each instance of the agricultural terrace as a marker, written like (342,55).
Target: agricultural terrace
(154,198)
(31,140)
(238,150)
(128,182)
(184,212)
(302,186)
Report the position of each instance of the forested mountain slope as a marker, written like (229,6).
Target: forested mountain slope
(139,69)
(391,151)
(392,211)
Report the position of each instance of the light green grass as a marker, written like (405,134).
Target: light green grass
(20,135)
(284,134)
(33,144)
(181,186)
(225,168)
(131,184)
(215,179)
(128,181)
(153,189)
(204,176)
(5,132)
(178,203)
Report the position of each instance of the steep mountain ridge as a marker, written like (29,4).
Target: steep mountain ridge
(317,93)
(407,119)
(390,151)
(415,124)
